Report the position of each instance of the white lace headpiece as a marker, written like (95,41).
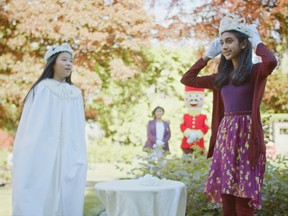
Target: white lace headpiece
(65,47)
(233,22)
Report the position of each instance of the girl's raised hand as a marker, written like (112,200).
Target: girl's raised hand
(255,40)
(214,49)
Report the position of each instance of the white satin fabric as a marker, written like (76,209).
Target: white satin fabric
(131,198)
(49,155)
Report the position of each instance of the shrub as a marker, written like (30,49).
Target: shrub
(190,169)
(193,171)
(275,187)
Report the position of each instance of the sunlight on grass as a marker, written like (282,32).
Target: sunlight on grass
(92,205)
(5,200)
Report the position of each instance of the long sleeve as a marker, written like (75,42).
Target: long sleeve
(183,126)
(191,78)
(204,127)
(152,138)
(269,62)
(168,133)
(259,74)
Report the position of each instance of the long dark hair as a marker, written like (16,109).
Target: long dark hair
(48,72)
(237,76)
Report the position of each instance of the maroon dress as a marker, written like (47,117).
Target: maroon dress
(230,171)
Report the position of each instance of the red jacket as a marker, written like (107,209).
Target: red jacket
(260,71)
(197,122)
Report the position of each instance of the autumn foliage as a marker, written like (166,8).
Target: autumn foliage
(116,64)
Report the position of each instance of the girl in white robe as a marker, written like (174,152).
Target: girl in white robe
(49,154)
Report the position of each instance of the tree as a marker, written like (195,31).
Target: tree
(99,31)
(201,19)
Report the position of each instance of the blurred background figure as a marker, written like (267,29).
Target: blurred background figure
(158,131)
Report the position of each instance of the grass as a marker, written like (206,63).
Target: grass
(92,205)
(5,200)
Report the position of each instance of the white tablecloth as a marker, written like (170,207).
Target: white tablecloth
(131,198)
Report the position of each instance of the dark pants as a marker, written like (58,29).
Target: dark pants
(236,206)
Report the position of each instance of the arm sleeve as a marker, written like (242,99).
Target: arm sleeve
(205,127)
(269,62)
(183,126)
(150,136)
(168,135)
(191,78)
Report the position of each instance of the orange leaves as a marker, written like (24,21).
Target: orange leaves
(202,21)
(119,71)
(84,20)
(98,31)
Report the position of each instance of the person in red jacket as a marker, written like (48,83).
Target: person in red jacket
(194,125)
(237,145)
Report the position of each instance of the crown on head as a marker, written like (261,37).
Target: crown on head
(65,47)
(233,22)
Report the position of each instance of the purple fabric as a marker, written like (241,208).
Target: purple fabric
(230,172)
(151,134)
(241,98)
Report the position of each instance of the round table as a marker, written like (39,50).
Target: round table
(131,198)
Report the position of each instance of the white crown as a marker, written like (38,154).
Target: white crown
(233,22)
(65,47)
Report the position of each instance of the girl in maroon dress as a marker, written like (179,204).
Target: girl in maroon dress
(237,145)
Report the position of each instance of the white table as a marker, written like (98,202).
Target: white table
(131,198)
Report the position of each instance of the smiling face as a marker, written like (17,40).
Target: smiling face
(63,66)
(194,100)
(159,113)
(231,47)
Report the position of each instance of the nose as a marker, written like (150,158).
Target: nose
(68,63)
(224,46)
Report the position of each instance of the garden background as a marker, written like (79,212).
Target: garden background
(130,56)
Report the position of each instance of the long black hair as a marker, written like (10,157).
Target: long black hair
(237,76)
(48,72)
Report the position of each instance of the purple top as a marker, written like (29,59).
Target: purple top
(237,98)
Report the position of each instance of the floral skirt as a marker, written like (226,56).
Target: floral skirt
(230,172)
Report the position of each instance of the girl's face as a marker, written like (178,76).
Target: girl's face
(231,47)
(159,113)
(63,66)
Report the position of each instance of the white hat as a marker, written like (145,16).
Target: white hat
(233,22)
(65,47)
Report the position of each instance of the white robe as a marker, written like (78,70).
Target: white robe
(49,155)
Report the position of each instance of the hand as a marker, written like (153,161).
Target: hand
(214,49)
(255,40)
(159,142)
(192,138)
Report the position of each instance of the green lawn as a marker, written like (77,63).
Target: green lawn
(92,205)
(5,200)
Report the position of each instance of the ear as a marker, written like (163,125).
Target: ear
(243,44)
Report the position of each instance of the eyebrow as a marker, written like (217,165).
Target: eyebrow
(226,38)
(66,57)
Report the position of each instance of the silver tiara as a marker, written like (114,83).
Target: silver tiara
(233,22)
(65,47)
